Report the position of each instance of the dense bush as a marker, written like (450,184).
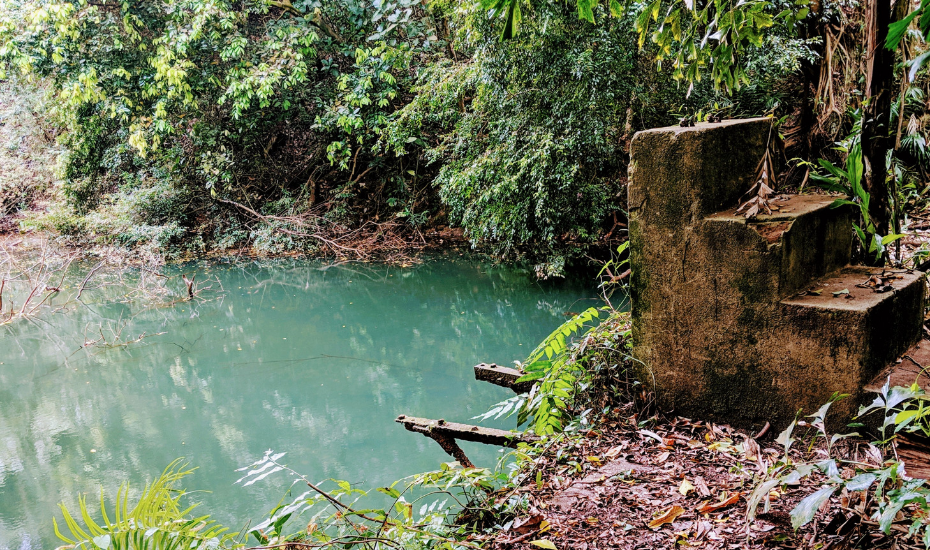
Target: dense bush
(207,117)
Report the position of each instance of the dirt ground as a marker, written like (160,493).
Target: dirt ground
(685,484)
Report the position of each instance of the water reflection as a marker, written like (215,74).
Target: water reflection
(293,356)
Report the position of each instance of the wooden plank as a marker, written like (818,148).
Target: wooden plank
(914,451)
(909,368)
(464,432)
(912,366)
(502,376)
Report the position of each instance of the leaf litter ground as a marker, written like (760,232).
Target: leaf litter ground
(685,484)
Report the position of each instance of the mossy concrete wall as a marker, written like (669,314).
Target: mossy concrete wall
(707,285)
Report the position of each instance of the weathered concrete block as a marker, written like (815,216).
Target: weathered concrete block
(708,288)
(838,343)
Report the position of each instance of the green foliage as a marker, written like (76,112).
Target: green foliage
(551,363)
(535,154)
(415,517)
(894,493)
(243,100)
(849,182)
(368,110)
(694,37)
(572,376)
(529,135)
(898,29)
(157,521)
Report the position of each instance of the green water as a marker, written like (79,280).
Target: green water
(291,356)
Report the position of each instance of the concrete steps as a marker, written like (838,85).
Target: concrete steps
(735,320)
(803,238)
(839,332)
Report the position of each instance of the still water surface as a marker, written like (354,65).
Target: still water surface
(287,355)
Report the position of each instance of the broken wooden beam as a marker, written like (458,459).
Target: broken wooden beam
(445,433)
(502,376)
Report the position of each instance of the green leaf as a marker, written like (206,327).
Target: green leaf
(830,167)
(891,238)
(616,9)
(861,234)
(512,22)
(804,512)
(905,417)
(897,29)
(530,376)
(103,542)
(889,513)
(389,491)
(918,62)
(861,482)
(854,172)
(784,438)
(586,10)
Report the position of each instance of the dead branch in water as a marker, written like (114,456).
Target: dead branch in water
(36,280)
(369,239)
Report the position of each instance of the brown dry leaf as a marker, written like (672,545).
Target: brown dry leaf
(614,451)
(707,507)
(756,200)
(703,527)
(653,435)
(668,516)
(527,525)
(701,486)
(752,449)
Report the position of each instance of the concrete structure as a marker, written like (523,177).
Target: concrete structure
(735,319)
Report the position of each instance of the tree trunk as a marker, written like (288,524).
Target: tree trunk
(810,77)
(876,137)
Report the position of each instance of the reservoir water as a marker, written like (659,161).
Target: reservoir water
(312,360)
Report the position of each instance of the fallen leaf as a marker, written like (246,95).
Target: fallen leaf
(752,449)
(686,487)
(663,457)
(707,507)
(547,544)
(595,459)
(653,435)
(527,525)
(701,486)
(841,292)
(668,516)
(544,526)
(703,527)
(614,451)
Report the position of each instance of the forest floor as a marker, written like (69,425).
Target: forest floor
(685,484)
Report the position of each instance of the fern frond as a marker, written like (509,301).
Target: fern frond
(156,522)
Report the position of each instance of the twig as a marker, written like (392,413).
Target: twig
(295,221)
(190,285)
(87,278)
(763,431)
